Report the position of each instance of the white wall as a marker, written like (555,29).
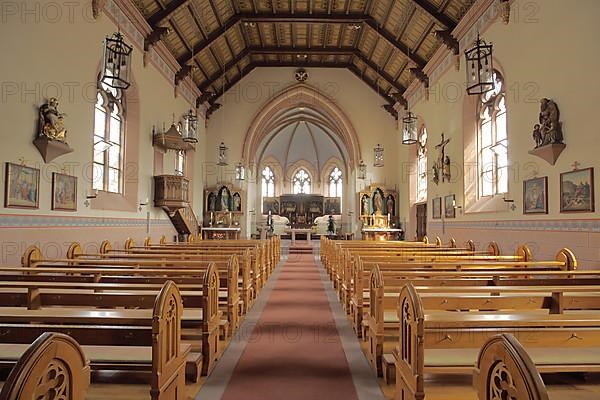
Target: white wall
(49,56)
(549,49)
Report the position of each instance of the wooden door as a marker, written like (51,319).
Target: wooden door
(421,221)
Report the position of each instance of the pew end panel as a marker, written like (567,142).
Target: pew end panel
(505,370)
(105,247)
(375,322)
(493,249)
(567,257)
(129,244)
(31,255)
(57,357)
(410,351)
(168,360)
(211,319)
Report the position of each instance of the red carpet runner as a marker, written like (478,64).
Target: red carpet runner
(295,351)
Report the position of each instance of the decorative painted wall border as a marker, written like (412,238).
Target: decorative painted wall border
(555,225)
(51,221)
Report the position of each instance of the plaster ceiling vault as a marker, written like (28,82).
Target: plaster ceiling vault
(303,135)
(386,43)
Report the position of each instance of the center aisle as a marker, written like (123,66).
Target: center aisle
(295,351)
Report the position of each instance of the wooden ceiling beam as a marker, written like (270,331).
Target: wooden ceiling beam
(354,69)
(210,38)
(434,13)
(304,18)
(157,18)
(232,63)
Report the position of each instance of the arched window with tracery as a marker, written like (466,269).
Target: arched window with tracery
(109,128)
(301,182)
(422,166)
(335,183)
(268,182)
(492,144)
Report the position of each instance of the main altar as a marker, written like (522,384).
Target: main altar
(378,214)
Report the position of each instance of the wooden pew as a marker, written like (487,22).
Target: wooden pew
(103,335)
(249,266)
(357,291)
(447,342)
(394,280)
(228,270)
(505,369)
(56,356)
(259,262)
(204,331)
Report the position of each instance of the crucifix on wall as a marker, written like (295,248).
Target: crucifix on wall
(441,167)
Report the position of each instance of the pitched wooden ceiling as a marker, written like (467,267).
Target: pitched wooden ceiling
(386,43)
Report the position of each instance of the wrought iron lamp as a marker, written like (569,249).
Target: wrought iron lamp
(480,69)
(409,128)
(362,170)
(190,125)
(116,62)
(378,156)
(222,154)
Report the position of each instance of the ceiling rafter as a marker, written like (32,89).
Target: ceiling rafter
(306,18)
(164,14)
(314,51)
(434,13)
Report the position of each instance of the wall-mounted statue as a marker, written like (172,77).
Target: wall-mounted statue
(549,129)
(52,124)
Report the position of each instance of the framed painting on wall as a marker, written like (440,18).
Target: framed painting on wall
(436,207)
(22,186)
(64,192)
(449,210)
(577,191)
(535,196)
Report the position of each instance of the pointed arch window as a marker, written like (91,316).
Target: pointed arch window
(422,165)
(109,118)
(492,140)
(301,182)
(268,182)
(335,183)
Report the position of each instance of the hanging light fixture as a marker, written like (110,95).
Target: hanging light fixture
(378,158)
(240,172)
(409,128)
(116,62)
(362,170)
(222,154)
(190,124)
(480,69)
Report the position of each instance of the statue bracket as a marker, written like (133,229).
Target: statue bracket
(50,149)
(549,152)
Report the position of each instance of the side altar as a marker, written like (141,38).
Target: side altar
(378,214)
(223,210)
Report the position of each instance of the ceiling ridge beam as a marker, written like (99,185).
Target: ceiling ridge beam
(171,8)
